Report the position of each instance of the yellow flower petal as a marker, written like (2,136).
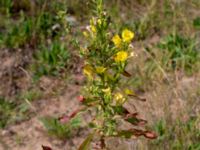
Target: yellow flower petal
(127,35)
(93,28)
(107,91)
(119,98)
(121,56)
(99,21)
(117,40)
(88,71)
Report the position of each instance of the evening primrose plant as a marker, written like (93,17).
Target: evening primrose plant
(106,56)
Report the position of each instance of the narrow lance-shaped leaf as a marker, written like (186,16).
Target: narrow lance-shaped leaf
(134,119)
(136,133)
(86,143)
(67,118)
(133,94)
(150,135)
(137,97)
(120,110)
(126,74)
(90,101)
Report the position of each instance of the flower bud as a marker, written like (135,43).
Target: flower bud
(81,98)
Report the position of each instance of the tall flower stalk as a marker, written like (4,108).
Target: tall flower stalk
(106,56)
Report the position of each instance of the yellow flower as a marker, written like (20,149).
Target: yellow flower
(93,28)
(117,40)
(100,70)
(99,21)
(127,35)
(119,98)
(121,56)
(88,71)
(107,91)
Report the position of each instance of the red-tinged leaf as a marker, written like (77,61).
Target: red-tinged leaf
(125,133)
(133,115)
(137,132)
(86,143)
(64,119)
(126,74)
(150,135)
(142,122)
(130,133)
(103,145)
(74,113)
(46,147)
(147,134)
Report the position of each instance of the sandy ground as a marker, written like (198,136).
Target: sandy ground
(30,135)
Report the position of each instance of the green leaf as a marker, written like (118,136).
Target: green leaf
(133,120)
(126,74)
(90,101)
(86,143)
(125,133)
(120,110)
(136,132)
(196,23)
(75,122)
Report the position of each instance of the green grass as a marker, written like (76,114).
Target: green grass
(61,130)
(179,52)
(19,34)
(51,60)
(16,110)
(196,23)
(7,109)
(5,6)
(20,29)
(30,95)
(170,54)
(177,135)
(28,31)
